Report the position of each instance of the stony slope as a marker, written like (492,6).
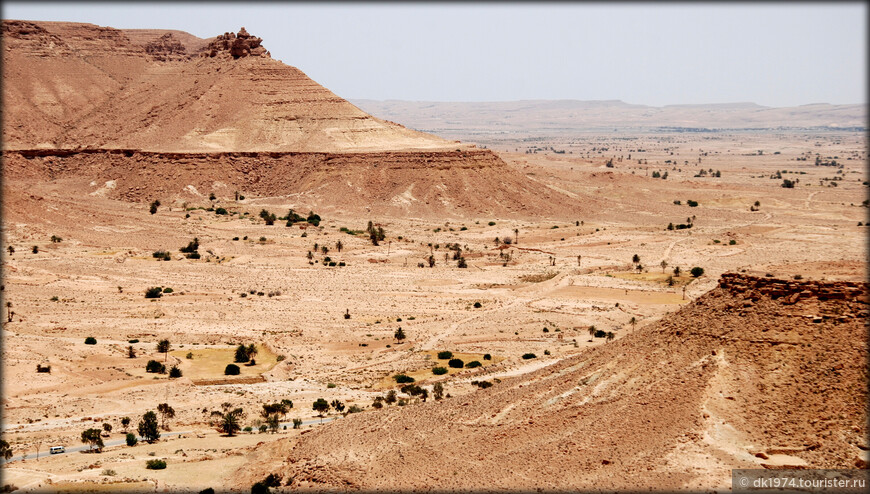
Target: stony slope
(71,85)
(471,183)
(756,373)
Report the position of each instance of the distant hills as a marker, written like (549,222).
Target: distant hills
(551,117)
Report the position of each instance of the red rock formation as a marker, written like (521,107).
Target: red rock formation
(236,45)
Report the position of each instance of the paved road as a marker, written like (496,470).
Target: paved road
(117,442)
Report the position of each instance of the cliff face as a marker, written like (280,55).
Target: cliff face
(740,378)
(421,184)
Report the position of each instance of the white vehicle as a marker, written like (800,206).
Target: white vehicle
(57,449)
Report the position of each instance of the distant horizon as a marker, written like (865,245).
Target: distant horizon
(733,103)
(771,54)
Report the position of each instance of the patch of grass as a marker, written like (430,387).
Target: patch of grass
(210,363)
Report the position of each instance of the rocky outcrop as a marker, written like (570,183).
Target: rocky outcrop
(166,47)
(236,45)
(753,288)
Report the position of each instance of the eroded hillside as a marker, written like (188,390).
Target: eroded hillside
(677,405)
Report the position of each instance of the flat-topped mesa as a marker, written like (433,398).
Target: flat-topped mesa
(236,45)
(754,287)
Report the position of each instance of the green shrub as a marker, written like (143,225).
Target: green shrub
(221,211)
(134,340)
(90,340)
(155,464)
(487,356)
(193,255)
(456,363)
(491,223)
(232,370)
(155,367)
(439,371)
(445,355)
(154,292)
(131,438)
(477,305)
(174,372)
(168,290)
(402,379)
(473,364)
(732,242)
(696,271)
(692,204)
(527,356)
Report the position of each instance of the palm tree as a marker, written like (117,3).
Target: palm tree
(664,264)
(229,421)
(592,330)
(635,258)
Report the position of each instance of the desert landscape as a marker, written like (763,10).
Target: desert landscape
(297,292)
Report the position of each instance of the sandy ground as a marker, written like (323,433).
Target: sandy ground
(92,284)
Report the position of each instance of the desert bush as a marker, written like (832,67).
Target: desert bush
(487,356)
(477,305)
(242,355)
(732,242)
(527,356)
(134,340)
(439,371)
(456,363)
(154,292)
(221,211)
(297,423)
(155,464)
(174,372)
(168,290)
(154,366)
(193,255)
(445,355)
(131,439)
(189,356)
(696,271)
(154,205)
(191,247)
(35,249)
(473,364)
(692,204)
(90,340)
(402,378)
(481,384)
(43,368)
(232,370)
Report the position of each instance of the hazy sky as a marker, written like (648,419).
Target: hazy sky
(777,54)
